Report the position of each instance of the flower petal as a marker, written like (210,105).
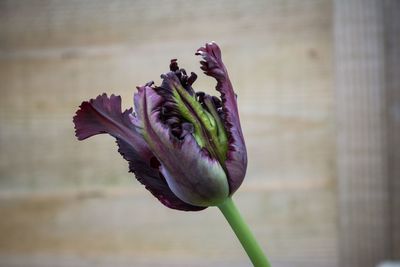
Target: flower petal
(152,178)
(236,163)
(182,161)
(207,132)
(103,115)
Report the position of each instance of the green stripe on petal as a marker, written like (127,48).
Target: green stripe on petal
(222,142)
(209,131)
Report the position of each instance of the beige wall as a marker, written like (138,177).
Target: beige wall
(65,202)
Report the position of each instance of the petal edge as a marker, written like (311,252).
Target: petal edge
(213,66)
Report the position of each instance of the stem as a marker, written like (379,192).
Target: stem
(242,231)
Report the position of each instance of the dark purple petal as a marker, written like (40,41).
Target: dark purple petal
(236,163)
(103,115)
(189,171)
(147,172)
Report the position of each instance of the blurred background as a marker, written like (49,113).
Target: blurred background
(318,89)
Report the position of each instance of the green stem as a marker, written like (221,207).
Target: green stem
(242,231)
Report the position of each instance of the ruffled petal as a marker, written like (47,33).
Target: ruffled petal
(236,163)
(207,132)
(149,175)
(190,172)
(103,115)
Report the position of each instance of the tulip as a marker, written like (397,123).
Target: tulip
(186,147)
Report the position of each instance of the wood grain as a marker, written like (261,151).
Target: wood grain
(54,54)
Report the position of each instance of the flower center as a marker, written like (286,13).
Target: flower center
(186,112)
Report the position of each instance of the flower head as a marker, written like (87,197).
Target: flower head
(186,147)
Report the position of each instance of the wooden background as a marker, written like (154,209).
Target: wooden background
(70,203)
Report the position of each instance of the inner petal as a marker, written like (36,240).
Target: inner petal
(181,104)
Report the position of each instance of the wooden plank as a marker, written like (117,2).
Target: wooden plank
(364,237)
(55,54)
(283,82)
(131,227)
(392,79)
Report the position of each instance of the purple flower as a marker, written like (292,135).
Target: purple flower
(186,147)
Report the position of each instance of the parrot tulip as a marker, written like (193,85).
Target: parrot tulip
(186,147)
